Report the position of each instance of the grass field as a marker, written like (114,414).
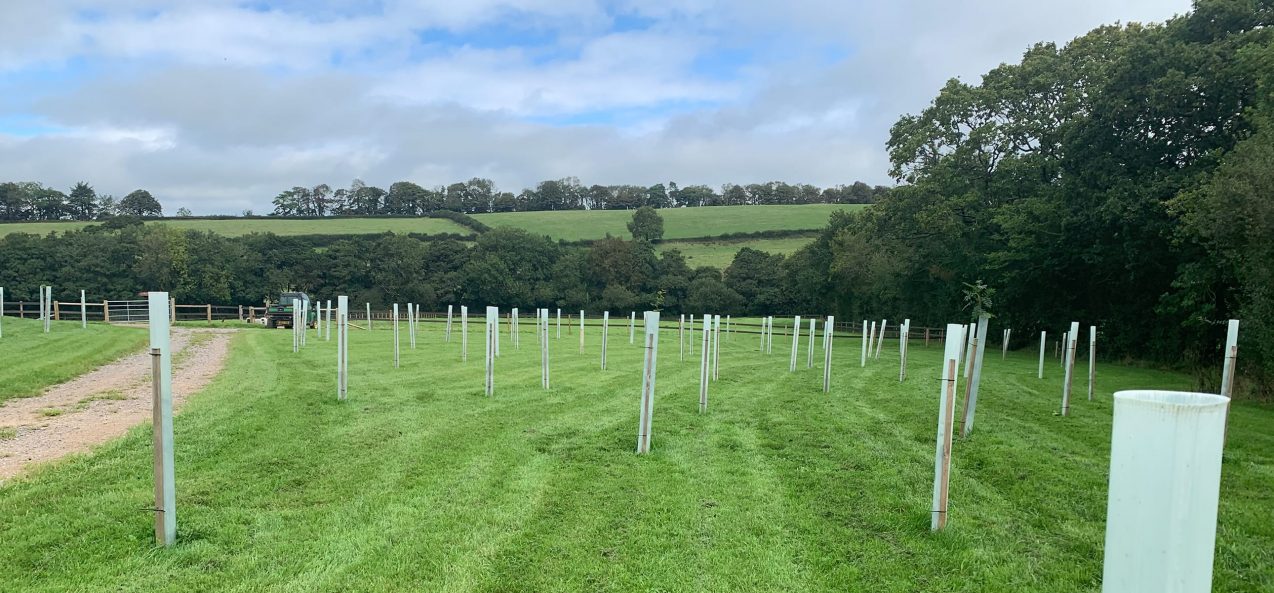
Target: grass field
(237,227)
(720,254)
(420,483)
(31,360)
(679,223)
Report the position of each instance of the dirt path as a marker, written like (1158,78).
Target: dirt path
(104,403)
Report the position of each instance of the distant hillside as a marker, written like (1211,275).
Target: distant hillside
(570,225)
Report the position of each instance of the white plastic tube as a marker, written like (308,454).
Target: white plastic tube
(342,346)
(871,338)
(1165,479)
(796,344)
(866,338)
(1230,358)
(880,339)
(649,365)
(493,337)
(1043,337)
(464,332)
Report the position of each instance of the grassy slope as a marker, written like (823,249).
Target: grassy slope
(679,223)
(720,254)
(419,483)
(234,228)
(33,360)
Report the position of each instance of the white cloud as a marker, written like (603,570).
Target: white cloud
(218,108)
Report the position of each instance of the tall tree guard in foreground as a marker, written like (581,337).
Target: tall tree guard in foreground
(1165,482)
(648,381)
(946,418)
(162,419)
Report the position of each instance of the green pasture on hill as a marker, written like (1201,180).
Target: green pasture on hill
(679,223)
(720,254)
(420,483)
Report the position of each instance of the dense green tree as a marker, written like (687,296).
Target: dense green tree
(140,203)
(646,225)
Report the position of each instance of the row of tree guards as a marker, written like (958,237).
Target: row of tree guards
(1165,448)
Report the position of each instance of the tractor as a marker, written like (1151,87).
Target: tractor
(290,305)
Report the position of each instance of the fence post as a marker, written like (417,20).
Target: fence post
(209,312)
(57,310)
(106,311)
(172,310)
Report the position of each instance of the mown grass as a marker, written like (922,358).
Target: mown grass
(31,360)
(679,223)
(720,254)
(237,227)
(420,483)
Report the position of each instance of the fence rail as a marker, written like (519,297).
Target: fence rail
(112,311)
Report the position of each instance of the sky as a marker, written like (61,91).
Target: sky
(219,105)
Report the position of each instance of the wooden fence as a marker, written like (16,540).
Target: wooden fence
(101,311)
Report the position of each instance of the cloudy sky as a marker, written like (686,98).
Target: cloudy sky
(218,105)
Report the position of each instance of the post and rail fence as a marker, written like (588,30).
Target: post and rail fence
(134,311)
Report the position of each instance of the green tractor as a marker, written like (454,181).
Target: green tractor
(290,305)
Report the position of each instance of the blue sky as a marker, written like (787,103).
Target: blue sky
(217,105)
